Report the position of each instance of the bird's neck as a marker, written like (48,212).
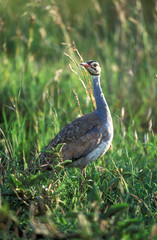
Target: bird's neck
(101,104)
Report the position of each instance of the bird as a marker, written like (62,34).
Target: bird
(88,137)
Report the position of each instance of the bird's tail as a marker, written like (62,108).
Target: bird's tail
(47,159)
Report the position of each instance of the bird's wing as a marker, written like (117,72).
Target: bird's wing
(82,146)
(79,137)
(76,129)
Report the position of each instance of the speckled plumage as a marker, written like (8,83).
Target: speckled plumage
(86,138)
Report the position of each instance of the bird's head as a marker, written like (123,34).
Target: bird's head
(92,67)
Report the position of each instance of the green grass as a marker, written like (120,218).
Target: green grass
(42,89)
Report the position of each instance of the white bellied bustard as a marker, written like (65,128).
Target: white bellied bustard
(87,138)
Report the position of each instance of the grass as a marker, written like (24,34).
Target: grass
(43,88)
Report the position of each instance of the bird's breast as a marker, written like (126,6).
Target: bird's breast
(93,155)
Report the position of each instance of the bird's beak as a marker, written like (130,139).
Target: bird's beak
(85,65)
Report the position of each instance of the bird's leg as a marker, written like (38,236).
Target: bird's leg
(83,172)
(81,181)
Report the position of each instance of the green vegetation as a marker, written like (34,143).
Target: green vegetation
(42,87)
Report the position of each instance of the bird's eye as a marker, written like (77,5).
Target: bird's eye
(94,65)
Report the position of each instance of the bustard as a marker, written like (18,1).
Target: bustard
(88,137)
